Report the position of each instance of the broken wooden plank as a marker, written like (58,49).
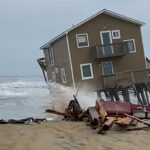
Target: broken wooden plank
(107,124)
(55,112)
(125,121)
(139,120)
(101,111)
(94,116)
(138,128)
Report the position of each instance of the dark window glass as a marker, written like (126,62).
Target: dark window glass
(86,71)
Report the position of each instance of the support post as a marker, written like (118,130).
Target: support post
(143,97)
(146,92)
(99,96)
(125,95)
(137,93)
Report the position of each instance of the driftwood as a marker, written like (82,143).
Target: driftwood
(55,112)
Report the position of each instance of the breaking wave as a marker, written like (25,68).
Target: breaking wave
(19,87)
(22,97)
(61,95)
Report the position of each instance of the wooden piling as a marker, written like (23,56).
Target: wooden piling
(147,97)
(99,96)
(143,97)
(125,95)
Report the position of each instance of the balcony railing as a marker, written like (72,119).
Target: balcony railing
(42,63)
(126,78)
(111,50)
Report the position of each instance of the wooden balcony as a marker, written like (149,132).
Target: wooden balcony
(124,79)
(42,63)
(111,50)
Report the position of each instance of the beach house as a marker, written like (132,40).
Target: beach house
(104,53)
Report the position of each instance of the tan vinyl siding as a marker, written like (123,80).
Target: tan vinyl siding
(93,27)
(61,61)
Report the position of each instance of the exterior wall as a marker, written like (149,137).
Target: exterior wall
(61,60)
(103,22)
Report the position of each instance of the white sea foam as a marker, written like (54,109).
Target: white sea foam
(22,97)
(19,88)
(61,95)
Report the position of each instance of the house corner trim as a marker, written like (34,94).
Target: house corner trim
(70,60)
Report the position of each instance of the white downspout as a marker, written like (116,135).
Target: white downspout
(70,63)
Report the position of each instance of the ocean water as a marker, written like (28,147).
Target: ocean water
(22,97)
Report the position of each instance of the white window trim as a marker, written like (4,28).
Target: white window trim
(133,43)
(111,65)
(77,40)
(51,64)
(103,41)
(53,75)
(63,70)
(85,78)
(116,37)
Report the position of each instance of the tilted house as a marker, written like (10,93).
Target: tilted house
(103,52)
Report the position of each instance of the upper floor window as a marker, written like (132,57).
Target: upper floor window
(86,71)
(130,44)
(51,56)
(82,40)
(116,34)
(63,75)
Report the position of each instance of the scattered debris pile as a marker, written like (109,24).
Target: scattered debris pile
(107,113)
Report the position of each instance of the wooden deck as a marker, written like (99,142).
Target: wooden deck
(42,64)
(118,49)
(125,79)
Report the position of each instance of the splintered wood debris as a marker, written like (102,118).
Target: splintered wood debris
(105,114)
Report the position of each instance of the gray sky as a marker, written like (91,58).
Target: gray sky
(25,25)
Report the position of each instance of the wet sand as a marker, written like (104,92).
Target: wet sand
(61,135)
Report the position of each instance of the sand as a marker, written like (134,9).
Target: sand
(62,135)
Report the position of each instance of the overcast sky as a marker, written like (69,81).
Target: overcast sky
(25,25)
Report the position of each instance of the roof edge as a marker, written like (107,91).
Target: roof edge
(105,11)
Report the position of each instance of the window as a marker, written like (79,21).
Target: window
(116,34)
(82,40)
(107,68)
(86,71)
(63,76)
(53,76)
(51,56)
(130,45)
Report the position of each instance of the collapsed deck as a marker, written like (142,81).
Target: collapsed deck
(125,83)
